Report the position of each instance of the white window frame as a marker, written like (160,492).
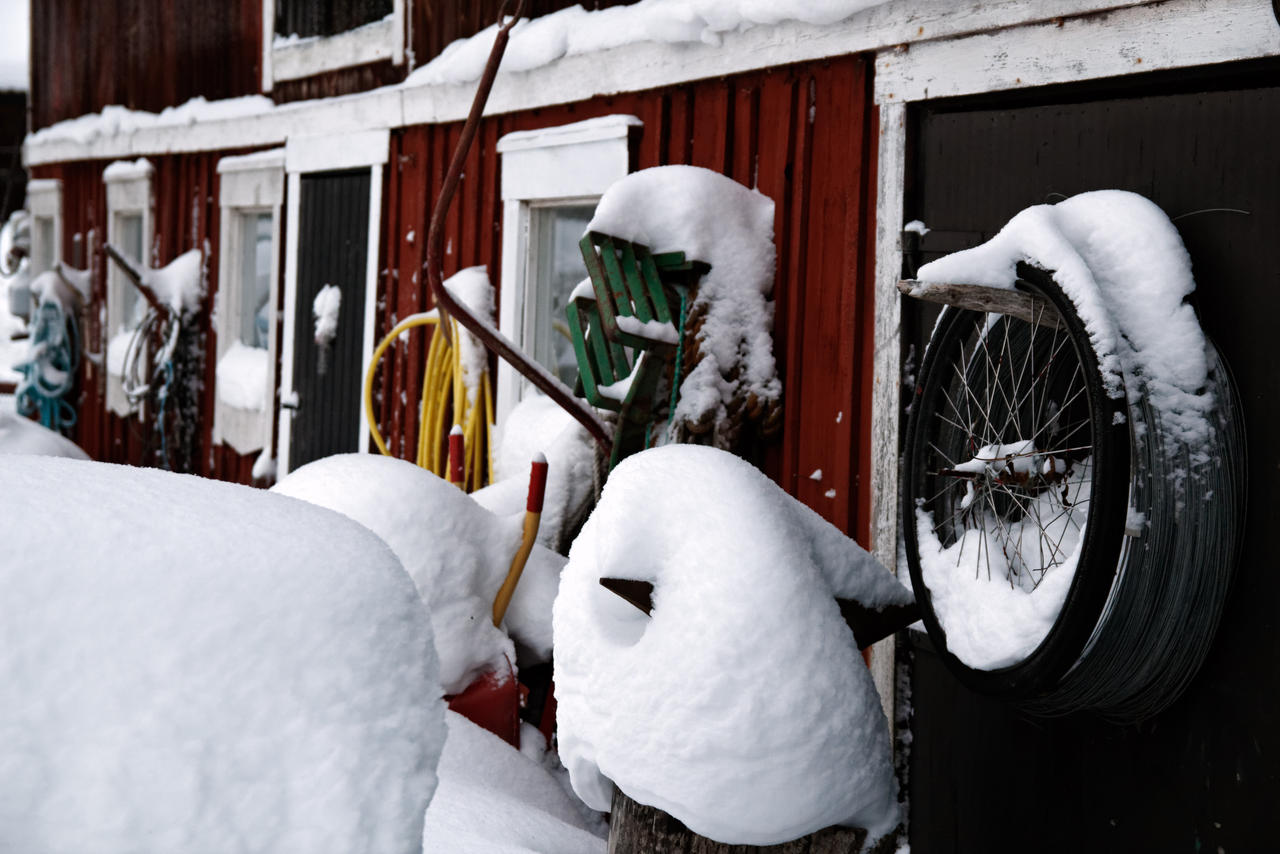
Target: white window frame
(293,60)
(324,153)
(249,185)
(44,202)
(128,192)
(549,167)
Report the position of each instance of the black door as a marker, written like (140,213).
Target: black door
(1205,774)
(333,243)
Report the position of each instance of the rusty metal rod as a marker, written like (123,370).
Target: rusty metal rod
(135,277)
(478,326)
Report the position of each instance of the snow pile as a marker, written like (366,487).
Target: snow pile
(494,800)
(1122,262)
(19,435)
(714,219)
(204,667)
(742,706)
(998,589)
(242,377)
(128,170)
(180,283)
(471,287)
(541,41)
(538,425)
(117,350)
(325,309)
(116,121)
(457,553)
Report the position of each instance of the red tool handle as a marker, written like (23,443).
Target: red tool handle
(537,484)
(457,450)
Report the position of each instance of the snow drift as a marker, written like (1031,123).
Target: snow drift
(197,666)
(742,706)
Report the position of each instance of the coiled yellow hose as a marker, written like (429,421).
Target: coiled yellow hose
(445,402)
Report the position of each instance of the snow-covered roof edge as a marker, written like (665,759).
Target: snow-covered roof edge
(202,125)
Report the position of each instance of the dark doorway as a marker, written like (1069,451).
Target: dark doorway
(333,243)
(1204,775)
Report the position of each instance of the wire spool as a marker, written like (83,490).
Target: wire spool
(1174,574)
(1145,599)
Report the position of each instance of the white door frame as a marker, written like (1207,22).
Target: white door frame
(326,153)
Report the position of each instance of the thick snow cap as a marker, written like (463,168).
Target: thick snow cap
(20,435)
(457,552)
(742,706)
(713,219)
(1123,264)
(198,666)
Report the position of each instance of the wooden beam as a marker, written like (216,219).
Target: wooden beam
(1019,304)
(869,625)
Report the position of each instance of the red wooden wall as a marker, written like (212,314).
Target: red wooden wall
(142,54)
(185,192)
(804,136)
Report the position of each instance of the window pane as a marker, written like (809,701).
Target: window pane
(133,306)
(44,229)
(255,279)
(557,269)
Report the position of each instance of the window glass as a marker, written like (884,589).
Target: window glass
(255,279)
(133,306)
(44,228)
(557,268)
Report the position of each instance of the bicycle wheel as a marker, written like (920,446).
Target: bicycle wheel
(1015,489)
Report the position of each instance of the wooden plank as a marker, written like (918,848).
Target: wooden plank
(638,829)
(1019,304)
(1175,34)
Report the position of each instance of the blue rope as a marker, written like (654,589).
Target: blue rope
(675,378)
(162,399)
(49,373)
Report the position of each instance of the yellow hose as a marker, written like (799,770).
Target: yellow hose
(444,402)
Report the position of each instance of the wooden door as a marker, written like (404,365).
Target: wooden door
(333,238)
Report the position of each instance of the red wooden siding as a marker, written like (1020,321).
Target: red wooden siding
(143,54)
(804,136)
(185,192)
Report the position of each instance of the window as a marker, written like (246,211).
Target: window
(44,201)
(129,229)
(315,36)
(251,195)
(551,181)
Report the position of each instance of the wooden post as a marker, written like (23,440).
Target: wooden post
(638,829)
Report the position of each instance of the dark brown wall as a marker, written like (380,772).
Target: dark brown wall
(13,126)
(142,54)
(1205,774)
(803,135)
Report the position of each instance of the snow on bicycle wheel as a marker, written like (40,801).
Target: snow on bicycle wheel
(1004,448)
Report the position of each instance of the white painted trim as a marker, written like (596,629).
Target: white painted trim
(249,185)
(629,68)
(886,372)
(561,165)
(373,253)
(267,34)
(44,201)
(331,151)
(375,41)
(129,191)
(1174,34)
(284,432)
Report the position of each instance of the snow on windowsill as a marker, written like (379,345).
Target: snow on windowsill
(244,378)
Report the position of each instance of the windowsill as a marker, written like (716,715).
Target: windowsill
(294,58)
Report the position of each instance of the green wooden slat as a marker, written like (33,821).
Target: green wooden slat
(653,282)
(636,291)
(577,334)
(613,275)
